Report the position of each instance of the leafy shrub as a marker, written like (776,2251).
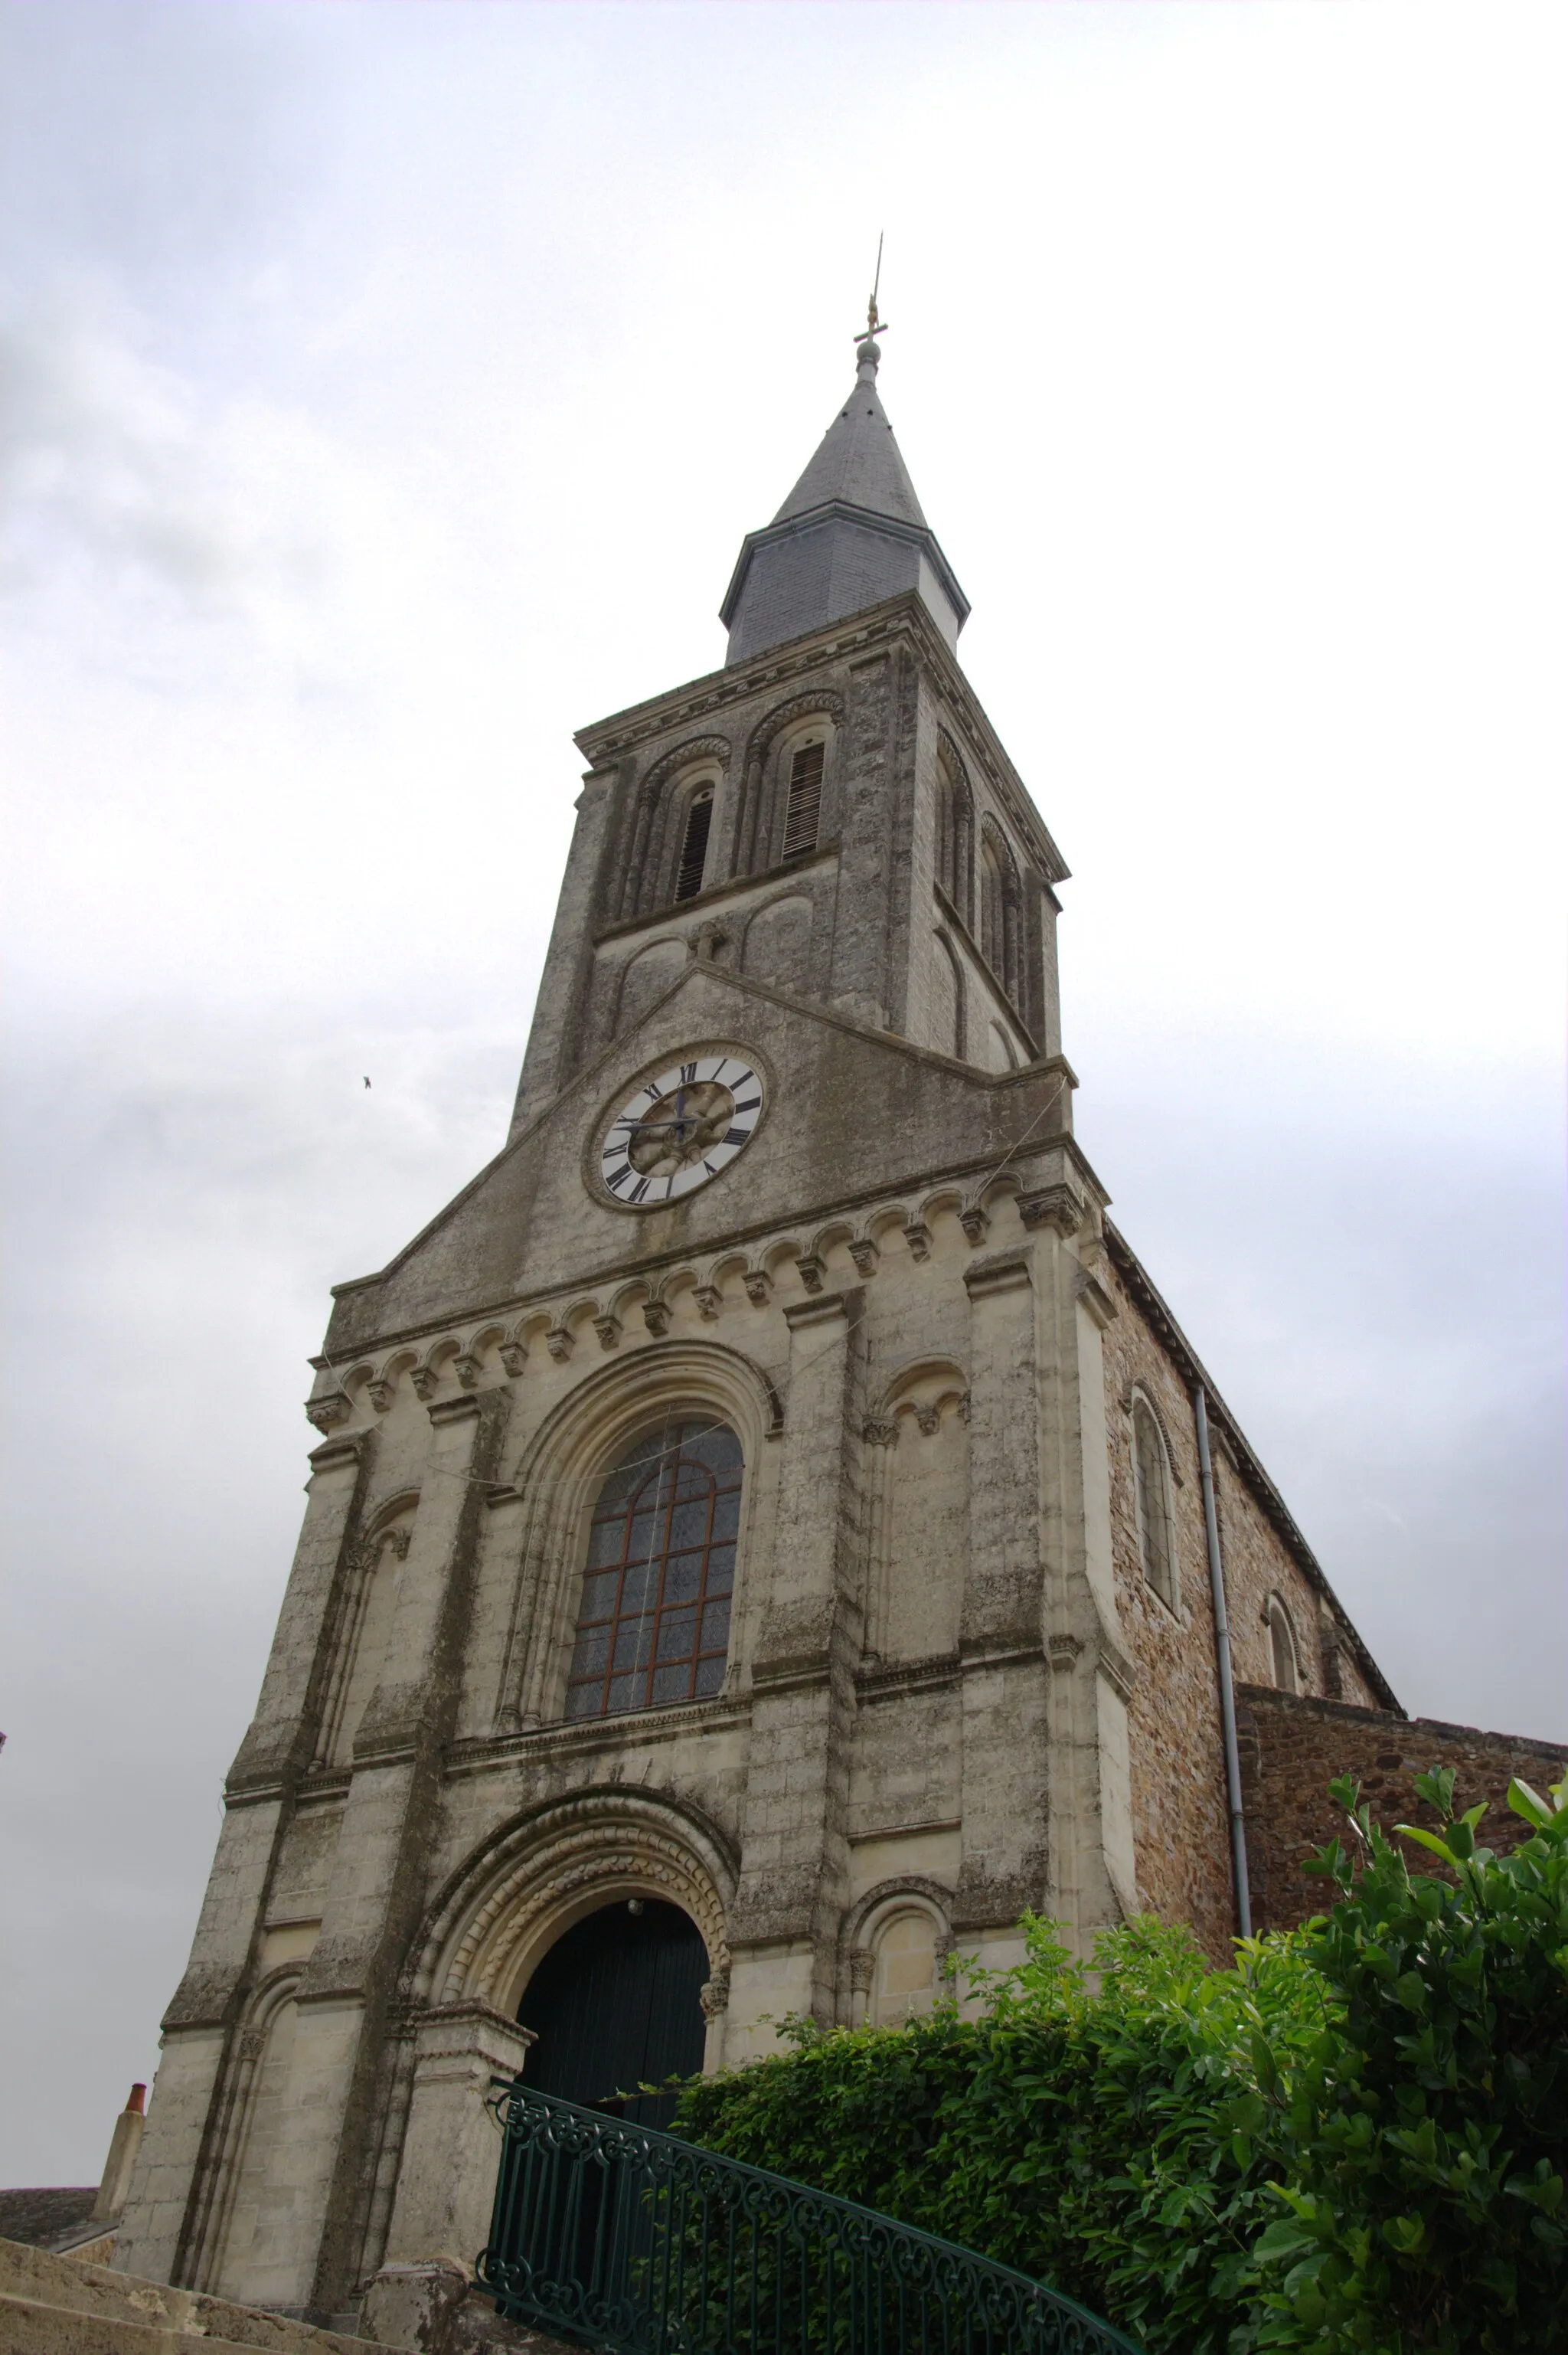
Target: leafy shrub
(1352,2140)
(1428,2139)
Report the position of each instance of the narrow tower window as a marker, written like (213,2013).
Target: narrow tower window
(1152,1482)
(653,1621)
(1282,1647)
(805,804)
(694,845)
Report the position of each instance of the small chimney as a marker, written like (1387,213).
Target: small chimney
(125,2144)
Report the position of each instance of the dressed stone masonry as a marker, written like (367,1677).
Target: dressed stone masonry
(970,1661)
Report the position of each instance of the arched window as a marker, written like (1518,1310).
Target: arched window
(694,844)
(653,1619)
(955,838)
(1151,1486)
(804,805)
(1284,1660)
(372,1600)
(904,1969)
(1001,910)
(947,999)
(1003,1053)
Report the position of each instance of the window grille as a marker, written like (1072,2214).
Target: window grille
(653,1622)
(694,847)
(805,804)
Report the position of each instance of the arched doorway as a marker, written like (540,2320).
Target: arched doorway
(615,2003)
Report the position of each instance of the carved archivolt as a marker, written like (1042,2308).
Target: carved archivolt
(648,846)
(559,1478)
(503,1913)
(758,824)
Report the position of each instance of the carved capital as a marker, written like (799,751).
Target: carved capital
(1095,1299)
(467,1368)
(975,1222)
(878,1431)
(656,1317)
(714,1994)
(1009,1272)
(455,1410)
(558,1341)
(813,1270)
(928,1418)
(758,1285)
(328,1411)
(335,1455)
(513,1357)
(709,1300)
(707,938)
(424,1382)
(862,1969)
(381,1394)
(1054,1206)
(608,1329)
(865,1255)
(917,1235)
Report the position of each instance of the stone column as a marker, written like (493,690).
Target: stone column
(563,986)
(377,1883)
(1003,1857)
(451,2150)
(873,854)
(794,1874)
(282,1733)
(1093,1870)
(162,2224)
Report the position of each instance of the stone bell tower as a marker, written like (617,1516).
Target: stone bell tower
(755,1546)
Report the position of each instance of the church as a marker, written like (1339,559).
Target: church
(769,1532)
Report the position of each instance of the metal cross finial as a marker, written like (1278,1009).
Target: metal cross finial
(873,325)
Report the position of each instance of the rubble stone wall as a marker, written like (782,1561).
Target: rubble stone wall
(1292,1746)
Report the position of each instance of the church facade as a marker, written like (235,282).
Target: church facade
(762,1538)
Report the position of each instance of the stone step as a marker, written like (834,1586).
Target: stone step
(30,2327)
(55,2305)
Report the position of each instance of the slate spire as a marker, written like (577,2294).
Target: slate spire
(851,533)
(857,460)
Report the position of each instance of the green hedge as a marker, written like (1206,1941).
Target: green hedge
(1352,2140)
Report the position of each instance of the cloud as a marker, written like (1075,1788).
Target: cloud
(117,462)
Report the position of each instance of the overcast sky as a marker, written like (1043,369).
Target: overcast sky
(392,386)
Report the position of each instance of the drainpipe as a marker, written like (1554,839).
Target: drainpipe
(1223,1653)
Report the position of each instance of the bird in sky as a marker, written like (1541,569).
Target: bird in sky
(367,1082)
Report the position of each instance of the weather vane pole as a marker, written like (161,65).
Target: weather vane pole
(873,325)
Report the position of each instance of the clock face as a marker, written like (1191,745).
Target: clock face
(675,1131)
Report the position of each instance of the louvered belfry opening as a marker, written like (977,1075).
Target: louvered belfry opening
(805,804)
(654,1623)
(694,847)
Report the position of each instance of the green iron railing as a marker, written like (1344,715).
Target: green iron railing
(627,2239)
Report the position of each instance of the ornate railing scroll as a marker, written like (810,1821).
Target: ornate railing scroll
(626,2239)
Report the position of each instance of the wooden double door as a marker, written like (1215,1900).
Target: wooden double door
(615,2003)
